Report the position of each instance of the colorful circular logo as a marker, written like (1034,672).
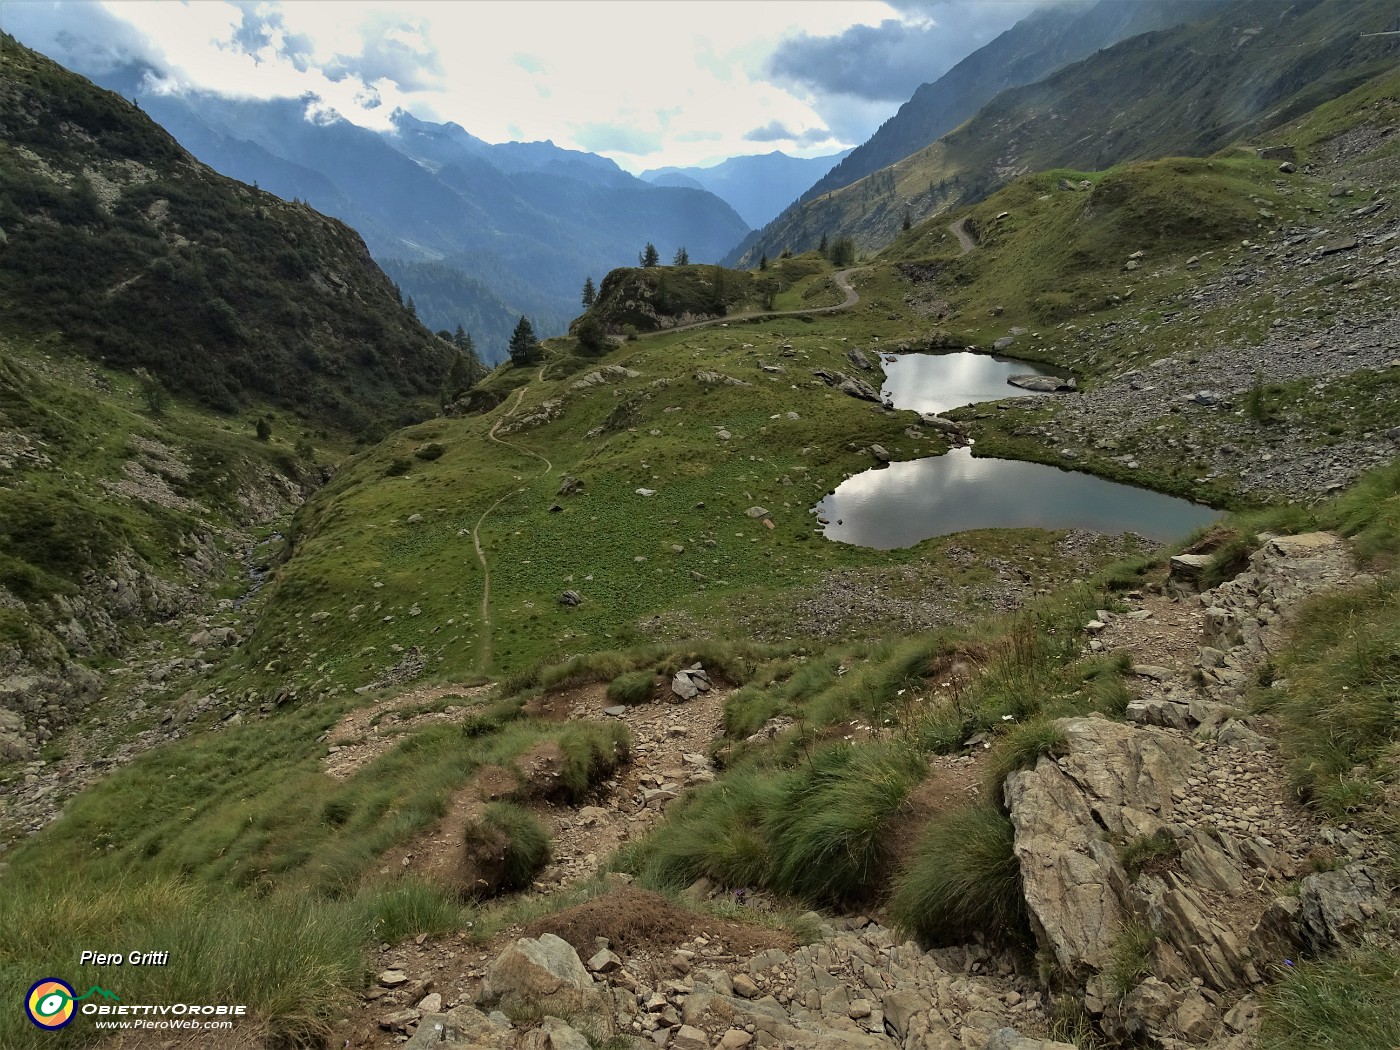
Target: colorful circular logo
(49,1003)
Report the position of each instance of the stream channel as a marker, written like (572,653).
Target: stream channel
(902,504)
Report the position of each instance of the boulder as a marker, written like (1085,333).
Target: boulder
(537,968)
(858,358)
(568,486)
(1042,384)
(859,388)
(571,598)
(1112,778)
(1335,906)
(690,682)
(879,454)
(1189,567)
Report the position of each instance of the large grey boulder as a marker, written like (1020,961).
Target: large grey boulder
(1112,778)
(537,968)
(1335,906)
(1042,384)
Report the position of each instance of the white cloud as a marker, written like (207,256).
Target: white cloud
(680,82)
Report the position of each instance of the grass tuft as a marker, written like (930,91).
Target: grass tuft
(963,880)
(1348,1003)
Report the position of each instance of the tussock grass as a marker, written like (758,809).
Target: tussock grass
(291,960)
(828,836)
(963,880)
(1339,707)
(1348,1003)
(813,832)
(716,833)
(523,842)
(592,750)
(632,687)
(407,908)
(1020,748)
(1128,963)
(1148,852)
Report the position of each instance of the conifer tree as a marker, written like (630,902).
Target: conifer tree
(590,294)
(682,257)
(650,256)
(524,347)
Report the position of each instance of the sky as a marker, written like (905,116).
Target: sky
(664,82)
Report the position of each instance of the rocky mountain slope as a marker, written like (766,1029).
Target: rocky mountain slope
(1046,40)
(1187,90)
(519,225)
(134,252)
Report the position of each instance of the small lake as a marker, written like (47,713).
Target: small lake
(939,382)
(905,503)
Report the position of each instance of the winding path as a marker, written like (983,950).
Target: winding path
(476,529)
(959,230)
(843,281)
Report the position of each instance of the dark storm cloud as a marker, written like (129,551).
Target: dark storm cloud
(776,131)
(885,63)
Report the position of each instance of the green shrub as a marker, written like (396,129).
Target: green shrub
(633,687)
(429,452)
(398,466)
(963,880)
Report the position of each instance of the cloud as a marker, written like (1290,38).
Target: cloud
(777,131)
(610,138)
(886,62)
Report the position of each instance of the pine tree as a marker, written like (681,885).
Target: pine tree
(822,247)
(763,261)
(590,294)
(682,257)
(524,347)
(411,308)
(908,223)
(650,256)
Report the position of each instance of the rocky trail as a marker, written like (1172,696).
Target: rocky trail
(1179,820)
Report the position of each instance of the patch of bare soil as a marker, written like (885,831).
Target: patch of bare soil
(631,918)
(368,732)
(953,782)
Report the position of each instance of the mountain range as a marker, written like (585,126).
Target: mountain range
(508,229)
(757,187)
(1189,89)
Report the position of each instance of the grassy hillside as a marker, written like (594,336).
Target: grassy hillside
(132,252)
(1189,90)
(659,297)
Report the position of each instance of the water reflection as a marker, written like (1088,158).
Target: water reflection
(939,382)
(904,503)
